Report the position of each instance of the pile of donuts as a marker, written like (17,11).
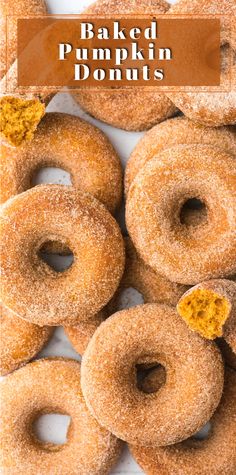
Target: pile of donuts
(152,375)
(129,108)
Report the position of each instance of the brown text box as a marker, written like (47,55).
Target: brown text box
(194,44)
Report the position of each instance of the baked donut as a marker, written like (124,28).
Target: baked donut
(172,132)
(185,254)
(20,341)
(156,334)
(214,455)
(82,224)
(67,142)
(211,108)
(40,388)
(129,108)
(137,275)
(12,10)
(210,309)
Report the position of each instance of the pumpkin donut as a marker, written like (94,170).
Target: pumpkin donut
(183,253)
(20,341)
(210,309)
(153,287)
(172,132)
(129,108)
(154,333)
(214,455)
(82,224)
(209,108)
(40,388)
(21,8)
(67,142)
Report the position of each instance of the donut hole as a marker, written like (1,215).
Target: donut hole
(205,312)
(51,175)
(193,212)
(129,297)
(51,430)
(203,433)
(56,255)
(150,377)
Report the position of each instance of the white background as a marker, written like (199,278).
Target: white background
(73,6)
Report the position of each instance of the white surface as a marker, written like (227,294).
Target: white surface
(73,6)
(53,428)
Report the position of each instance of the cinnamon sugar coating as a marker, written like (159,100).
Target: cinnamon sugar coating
(20,341)
(215,455)
(193,385)
(128,109)
(185,253)
(67,142)
(154,287)
(227,352)
(44,387)
(172,132)
(137,275)
(210,309)
(21,9)
(209,108)
(82,224)
(81,335)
